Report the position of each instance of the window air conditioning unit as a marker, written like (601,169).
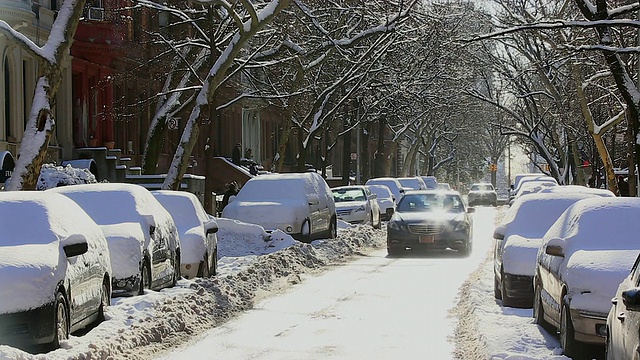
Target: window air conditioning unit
(96,13)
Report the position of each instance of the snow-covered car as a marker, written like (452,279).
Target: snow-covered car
(54,269)
(525,178)
(392,183)
(385,199)
(413,182)
(431,182)
(197,231)
(300,204)
(142,237)
(532,187)
(583,258)
(430,220)
(518,238)
(482,194)
(623,321)
(356,205)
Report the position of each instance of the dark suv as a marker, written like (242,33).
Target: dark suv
(482,194)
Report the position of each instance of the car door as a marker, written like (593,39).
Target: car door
(82,280)
(161,256)
(625,323)
(551,285)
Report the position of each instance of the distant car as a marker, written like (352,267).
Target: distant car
(300,204)
(197,230)
(518,238)
(54,269)
(431,182)
(385,199)
(430,219)
(143,238)
(583,258)
(356,204)
(444,186)
(623,321)
(533,187)
(482,194)
(413,182)
(392,183)
(522,179)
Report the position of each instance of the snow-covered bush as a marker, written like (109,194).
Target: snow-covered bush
(52,176)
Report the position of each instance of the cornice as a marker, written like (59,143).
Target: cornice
(16,13)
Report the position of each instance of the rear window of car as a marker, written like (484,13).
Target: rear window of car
(482,187)
(275,189)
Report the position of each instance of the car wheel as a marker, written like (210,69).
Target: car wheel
(379,224)
(466,249)
(61,320)
(538,309)
(305,231)
(176,270)
(145,277)
(204,270)
(104,300)
(567,333)
(497,292)
(608,347)
(395,251)
(507,301)
(214,268)
(333,229)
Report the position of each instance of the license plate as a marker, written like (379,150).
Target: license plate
(427,239)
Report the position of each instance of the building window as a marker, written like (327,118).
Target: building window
(7,100)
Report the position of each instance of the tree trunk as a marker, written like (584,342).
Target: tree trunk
(365,162)
(346,155)
(380,158)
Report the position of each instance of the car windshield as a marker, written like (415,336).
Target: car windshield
(381,191)
(342,195)
(184,212)
(412,183)
(430,203)
(482,187)
(276,190)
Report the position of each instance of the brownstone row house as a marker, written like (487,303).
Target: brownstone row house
(108,96)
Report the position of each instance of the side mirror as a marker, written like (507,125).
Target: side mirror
(555,247)
(631,299)
(232,198)
(76,249)
(373,196)
(499,231)
(211,227)
(314,199)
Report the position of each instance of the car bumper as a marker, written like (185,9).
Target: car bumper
(125,287)
(30,327)
(447,239)
(386,216)
(519,287)
(482,201)
(354,218)
(589,326)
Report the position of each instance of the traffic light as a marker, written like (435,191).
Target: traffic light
(493,167)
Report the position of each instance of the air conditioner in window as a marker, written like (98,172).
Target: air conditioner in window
(96,13)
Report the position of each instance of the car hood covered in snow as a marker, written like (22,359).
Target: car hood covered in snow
(34,278)
(593,277)
(350,204)
(430,217)
(519,255)
(267,214)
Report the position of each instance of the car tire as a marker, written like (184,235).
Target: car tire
(145,277)
(567,333)
(214,269)
(204,270)
(507,301)
(497,292)
(466,249)
(608,347)
(105,300)
(395,251)
(538,310)
(333,228)
(61,320)
(305,231)
(176,270)
(379,224)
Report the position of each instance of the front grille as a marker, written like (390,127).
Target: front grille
(426,229)
(343,212)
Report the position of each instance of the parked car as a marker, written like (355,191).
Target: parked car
(580,263)
(532,187)
(413,182)
(623,321)
(430,219)
(443,186)
(392,183)
(386,200)
(197,231)
(300,204)
(54,269)
(525,178)
(482,194)
(518,238)
(357,205)
(431,182)
(142,237)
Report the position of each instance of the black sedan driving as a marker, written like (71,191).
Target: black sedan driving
(430,220)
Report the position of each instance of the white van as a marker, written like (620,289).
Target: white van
(300,204)
(392,183)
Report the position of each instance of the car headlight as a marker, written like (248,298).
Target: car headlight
(360,208)
(393,225)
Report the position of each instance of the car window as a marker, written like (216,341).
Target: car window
(341,195)
(430,203)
